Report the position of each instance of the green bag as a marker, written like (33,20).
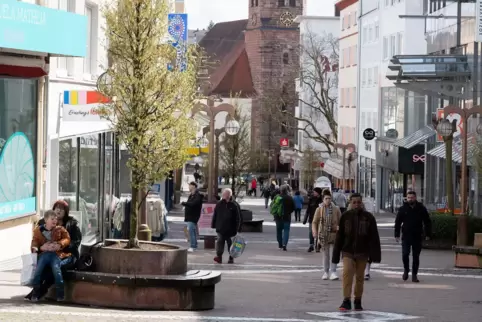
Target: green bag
(277,206)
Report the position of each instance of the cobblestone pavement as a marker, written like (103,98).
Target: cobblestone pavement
(268,285)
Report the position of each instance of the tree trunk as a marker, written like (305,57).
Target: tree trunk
(449,172)
(133,241)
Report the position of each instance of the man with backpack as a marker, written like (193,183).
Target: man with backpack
(281,208)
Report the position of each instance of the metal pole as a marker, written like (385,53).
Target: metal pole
(343,179)
(459,24)
(462,235)
(211,153)
(216,168)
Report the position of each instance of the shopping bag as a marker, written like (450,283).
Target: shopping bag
(238,246)
(29,264)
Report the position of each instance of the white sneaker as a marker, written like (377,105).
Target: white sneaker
(190,250)
(325,276)
(333,276)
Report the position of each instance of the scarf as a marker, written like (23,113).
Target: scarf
(326,224)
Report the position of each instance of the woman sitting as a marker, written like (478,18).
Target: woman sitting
(71,224)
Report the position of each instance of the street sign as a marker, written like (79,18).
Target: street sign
(369,134)
(283,142)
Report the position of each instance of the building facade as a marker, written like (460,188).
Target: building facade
(28,52)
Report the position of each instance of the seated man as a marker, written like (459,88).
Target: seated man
(50,240)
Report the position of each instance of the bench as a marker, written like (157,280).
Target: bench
(253,226)
(469,256)
(191,291)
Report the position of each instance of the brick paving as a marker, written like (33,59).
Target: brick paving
(268,285)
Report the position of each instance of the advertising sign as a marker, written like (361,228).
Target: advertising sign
(478,20)
(284,142)
(204,224)
(82,106)
(450,117)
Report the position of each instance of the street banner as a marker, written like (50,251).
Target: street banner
(178,34)
(204,224)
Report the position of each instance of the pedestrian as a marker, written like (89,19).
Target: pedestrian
(325,225)
(227,222)
(341,201)
(358,240)
(254,186)
(412,220)
(274,192)
(283,218)
(298,199)
(313,204)
(369,263)
(266,195)
(192,213)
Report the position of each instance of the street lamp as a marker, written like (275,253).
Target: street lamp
(462,233)
(349,146)
(212,110)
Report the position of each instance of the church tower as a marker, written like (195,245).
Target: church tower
(272,41)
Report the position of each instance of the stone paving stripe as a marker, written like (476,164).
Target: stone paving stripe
(165,317)
(421,286)
(427,274)
(372,316)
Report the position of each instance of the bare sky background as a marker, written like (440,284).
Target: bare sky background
(200,12)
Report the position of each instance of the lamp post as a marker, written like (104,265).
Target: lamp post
(462,222)
(217,133)
(345,147)
(446,129)
(231,128)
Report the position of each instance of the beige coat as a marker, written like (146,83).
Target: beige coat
(319,223)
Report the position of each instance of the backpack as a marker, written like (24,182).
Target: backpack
(277,206)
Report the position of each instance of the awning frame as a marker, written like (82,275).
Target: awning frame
(415,138)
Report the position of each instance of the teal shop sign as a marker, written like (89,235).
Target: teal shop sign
(17,177)
(25,26)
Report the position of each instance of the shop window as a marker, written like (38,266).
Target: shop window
(18,147)
(68,171)
(286,58)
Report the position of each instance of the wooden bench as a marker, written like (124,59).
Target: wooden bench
(253,226)
(469,256)
(191,291)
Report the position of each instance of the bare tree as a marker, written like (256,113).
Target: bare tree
(318,81)
(310,163)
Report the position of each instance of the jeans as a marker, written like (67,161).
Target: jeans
(282,232)
(222,240)
(327,264)
(353,268)
(416,247)
(297,214)
(310,236)
(192,229)
(52,260)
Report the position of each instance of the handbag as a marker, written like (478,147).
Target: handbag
(29,265)
(238,246)
(86,263)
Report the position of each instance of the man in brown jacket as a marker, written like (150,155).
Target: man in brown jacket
(324,228)
(359,241)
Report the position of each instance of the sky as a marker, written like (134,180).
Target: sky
(200,12)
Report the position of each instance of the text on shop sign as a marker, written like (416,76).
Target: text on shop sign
(28,16)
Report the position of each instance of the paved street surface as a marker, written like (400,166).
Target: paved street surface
(269,285)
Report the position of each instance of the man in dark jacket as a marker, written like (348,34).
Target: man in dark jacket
(192,213)
(313,203)
(413,220)
(357,238)
(227,222)
(283,223)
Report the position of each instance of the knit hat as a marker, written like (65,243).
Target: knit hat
(318,190)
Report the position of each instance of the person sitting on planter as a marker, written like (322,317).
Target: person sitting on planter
(71,224)
(51,242)
(227,222)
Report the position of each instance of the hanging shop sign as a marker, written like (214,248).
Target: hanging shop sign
(451,117)
(369,134)
(83,106)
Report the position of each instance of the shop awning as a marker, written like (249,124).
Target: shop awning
(439,151)
(334,167)
(415,138)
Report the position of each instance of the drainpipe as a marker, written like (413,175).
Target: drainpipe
(39,189)
(358,82)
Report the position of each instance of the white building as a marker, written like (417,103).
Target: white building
(381,106)
(315,30)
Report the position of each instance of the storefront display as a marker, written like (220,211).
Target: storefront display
(18,147)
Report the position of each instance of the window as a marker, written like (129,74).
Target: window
(342,97)
(65,64)
(286,58)
(387,3)
(292,3)
(385,48)
(353,97)
(355,55)
(400,43)
(343,23)
(365,35)
(347,97)
(370,34)
(342,60)
(252,3)
(18,145)
(348,20)
(354,17)
(393,46)
(88,56)
(377,30)
(352,56)
(370,76)
(281,3)
(375,75)
(346,53)
(364,77)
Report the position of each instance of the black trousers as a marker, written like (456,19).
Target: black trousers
(414,246)
(221,242)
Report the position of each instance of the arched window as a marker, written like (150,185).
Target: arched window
(286,58)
